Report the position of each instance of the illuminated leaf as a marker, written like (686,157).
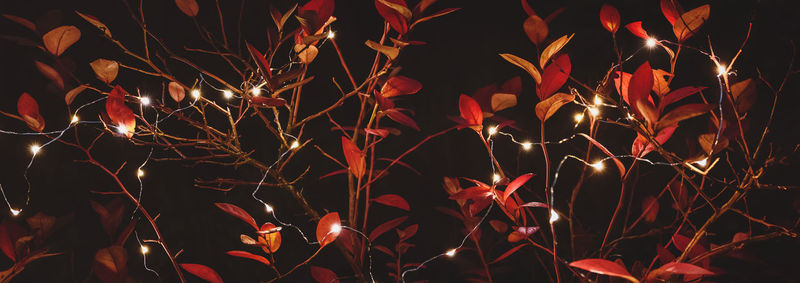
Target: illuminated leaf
(400,85)
(516,184)
(244,254)
(609,18)
(681,113)
(105,70)
(328,228)
(641,146)
(605,267)
(637,30)
(744,95)
(536,29)
(502,101)
(354,156)
(470,111)
(525,65)
(315,14)
(401,118)
(237,212)
(678,268)
(202,271)
(552,49)
(28,110)
(263,65)
(671,10)
(660,86)
(679,94)
(521,233)
(176,91)
(640,85)
(554,76)
(59,39)
(549,106)
(306,53)
(395,12)
(688,23)
(389,51)
(393,200)
(271,241)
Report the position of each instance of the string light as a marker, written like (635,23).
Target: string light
(121,129)
(14,212)
(139,173)
(195,93)
(702,163)
(578,117)
(35,149)
(144,100)
(451,252)
(496,178)
(268,208)
(598,166)
(74,119)
(331,34)
(597,100)
(527,146)
(336,228)
(144,249)
(553,216)
(721,70)
(594,111)
(492,130)
(651,42)
(629,116)
(255,91)
(227,94)
(295,144)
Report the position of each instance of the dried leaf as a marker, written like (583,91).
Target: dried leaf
(389,51)
(105,70)
(110,264)
(119,113)
(315,14)
(679,94)
(525,65)
(306,54)
(536,29)
(434,15)
(744,95)
(609,18)
(688,23)
(354,156)
(681,113)
(22,21)
(28,110)
(549,106)
(176,91)
(238,212)
(202,271)
(554,76)
(50,73)
(502,101)
(95,22)
(279,19)
(605,267)
(641,146)
(188,7)
(393,200)
(707,141)
(395,12)
(70,96)
(328,228)
(553,48)
(59,39)
(400,85)
(270,242)
(660,86)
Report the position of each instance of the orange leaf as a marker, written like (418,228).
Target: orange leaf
(688,23)
(245,254)
(671,9)
(605,267)
(105,70)
(400,85)
(202,271)
(508,253)
(636,29)
(188,7)
(271,240)
(59,39)
(470,111)
(536,29)
(396,20)
(609,17)
(238,212)
(546,108)
(176,91)
(328,228)
(354,156)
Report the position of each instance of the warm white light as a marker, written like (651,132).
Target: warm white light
(35,149)
(721,70)
(594,111)
(74,119)
(144,249)
(14,212)
(527,146)
(598,166)
(195,93)
(492,130)
(553,216)
(702,163)
(144,100)
(295,144)
(336,228)
(578,117)
(255,91)
(496,178)
(227,94)
(451,252)
(139,173)
(651,42)
(121,129)
(598,100)
(629,116)
(331,34)
(268,208)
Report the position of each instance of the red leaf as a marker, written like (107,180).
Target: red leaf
(392,16)
(237,212)
(672,10)
(514,185)
(409,232)
(28,109)
(470,112)
(605,267)
(337,172)
(521,233)
(401,118)
(354,156)
(393,200)
(679,94)
(385,227)
(554,76)
(328,228)
(315,14)
(508,253)
(527,8)
(609,17)
(400,85)
(640,86)
(9,233)
(202,271)
(267,101)
(119,113)
(472,193)
(323,275)
(650,208)
(642,147)
(684,268)
(619,164)
(245,254)
(637,30)
(261,61)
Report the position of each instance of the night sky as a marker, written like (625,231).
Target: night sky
(460,56)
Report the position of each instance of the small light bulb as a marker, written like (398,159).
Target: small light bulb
(295,144)
(598,100)
(451,252)
(227,94)
(255,91)
(144,249)
(496,178)
(651,42)
(139,173)
(598,166)
(14,212)
(35,149)
(336,228)
(196,93)
(578,117)
(331,34)
(629,116)
(144,100)
(721,70)
(594,111)
(268,208)
(527,146)
(492,130)
(74,119)
(553,216)
(702,163)
(121,129)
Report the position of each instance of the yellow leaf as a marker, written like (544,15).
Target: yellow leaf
(549,106)
(502,101)
(553,48)
(688,23)
(525,65)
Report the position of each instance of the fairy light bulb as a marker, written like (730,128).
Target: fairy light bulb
(331,35)
(14,212)
(144,100)
(496,178)
(598,165)
(451,252)
(336,228)
(721,70)
(594,111)
(268,208)
(121,129)
(295,144)
(598,100)
(139,173)
(629,116)
(195,93)
(650,42)
(227,94)
(492,130)
(702,162)
(527,146)
(74,119)
(35,149)
(144,249)
(578,117)
(553,216)
(255,91)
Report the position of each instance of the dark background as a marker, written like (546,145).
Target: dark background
(459,57)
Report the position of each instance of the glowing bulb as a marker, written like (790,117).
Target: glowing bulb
(651,42)
(702,163)
(598,100)
(227,94)
(594,111)
(331,34)
(144,249)
(578,117)
(144,100)
(496,178)
(295,144)
(122,130)
(255,91)
(139,173)
(14,212)
(629,116)
(451,252)
(195,93)
(268,208)
(553,216)
(598,166)
(527,146)
(721,70)
(492,130)
(336,228)
(74,119)
(35,149)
